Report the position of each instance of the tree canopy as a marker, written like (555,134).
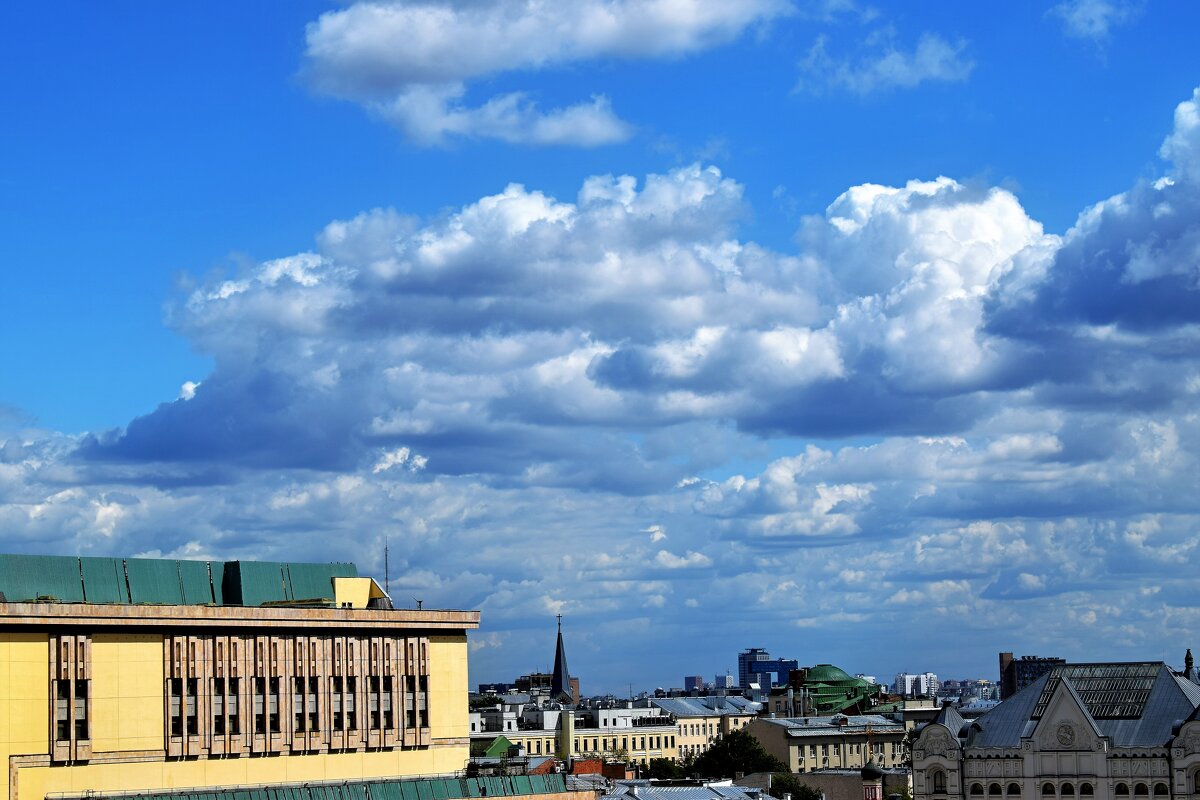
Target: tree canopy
(733,753)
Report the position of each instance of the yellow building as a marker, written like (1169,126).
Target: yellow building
(701,721)
(806,744)
(142,674)
(638,744)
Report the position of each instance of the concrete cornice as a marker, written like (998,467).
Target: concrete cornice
(34,615)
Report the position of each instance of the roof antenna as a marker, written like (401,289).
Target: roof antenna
(418,602)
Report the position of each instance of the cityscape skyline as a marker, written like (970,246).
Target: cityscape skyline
(866,333)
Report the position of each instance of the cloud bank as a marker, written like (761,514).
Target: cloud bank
(413,63)
(929,410)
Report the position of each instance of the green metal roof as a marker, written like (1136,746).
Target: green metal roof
(70,579)
(447,788)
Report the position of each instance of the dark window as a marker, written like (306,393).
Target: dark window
(193,723)
(1014,790)
(81,710)
(298,704)
(938,781)
(62,712)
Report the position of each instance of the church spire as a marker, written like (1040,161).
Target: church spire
(560,680)
(1189,669)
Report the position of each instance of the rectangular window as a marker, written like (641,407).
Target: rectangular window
(389,721)
(423,701)
(273,704)
(335,704)
(62,712)
(235,724)
(193,720)
(260,705)
(314,710)
(351,715)
(176,707)
(373,700)
(218,706)
(81,710)
(298,704)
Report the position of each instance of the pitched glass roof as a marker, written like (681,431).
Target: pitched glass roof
(1110,691)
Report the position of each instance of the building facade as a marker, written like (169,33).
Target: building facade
(700,721)
(755,665)
(156,674)
(1017,673)
(1110,731)
(838,742)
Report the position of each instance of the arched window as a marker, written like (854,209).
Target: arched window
(1196,781)
(1140,790)
(1047,789)
(937,779)
(1014,790)
(1068,790)
(1161,790)
(976,790)
(994,790)
(1085,790)
(1122,790)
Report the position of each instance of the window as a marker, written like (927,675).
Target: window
(298,704)
(389,720)
(1085,790)
(1141,790)
(81,710)
(260,705)
(176,705)
(1048,790)
(1014,790)
(994,790)
(273,704)
(1122,790)
(62,712)
(337,716)
(937,779)
(373,700)
(1160,789)
(1068,790)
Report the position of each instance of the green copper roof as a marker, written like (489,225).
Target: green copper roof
(828,673)
(68,579)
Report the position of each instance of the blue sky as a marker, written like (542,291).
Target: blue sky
(863,332)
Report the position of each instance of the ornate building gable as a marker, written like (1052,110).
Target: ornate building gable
(1066,723)
(936,740)
(1188,739)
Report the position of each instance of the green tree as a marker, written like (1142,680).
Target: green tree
(734,753)
(786,783)
(662,768)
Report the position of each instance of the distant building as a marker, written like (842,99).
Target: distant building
(755,665)
(1108,731)
(1016,674)
(723,681)
(702,720)
(912,684)
(822,690)
(838,742)
(693,683)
